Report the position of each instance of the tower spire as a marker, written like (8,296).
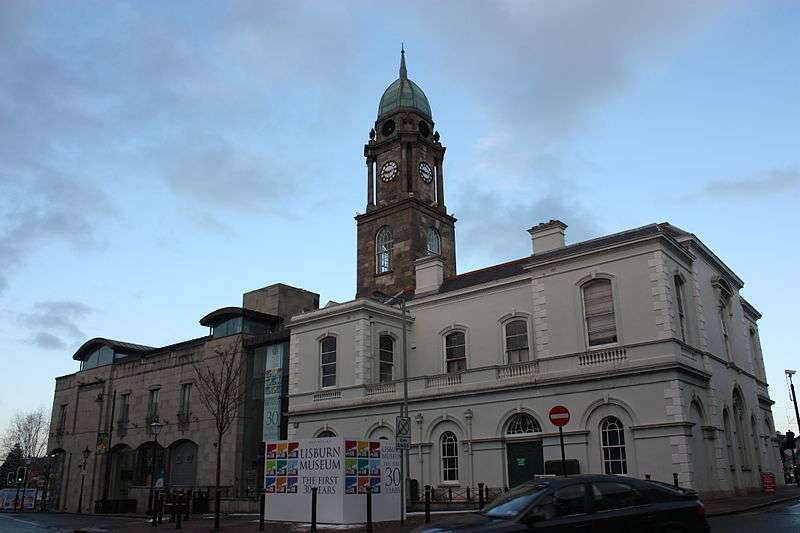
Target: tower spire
(403,71)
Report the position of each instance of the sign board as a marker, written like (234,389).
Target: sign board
(341,469)
(102,444)
(403,432)
(273,357)
(768,482)
(559,416)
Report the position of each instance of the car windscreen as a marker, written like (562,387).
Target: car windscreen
(512,503)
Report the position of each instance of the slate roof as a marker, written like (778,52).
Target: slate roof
(517,266)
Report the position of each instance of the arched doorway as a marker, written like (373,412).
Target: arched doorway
(183,464)
(123,465)
(524,454)
(145,468)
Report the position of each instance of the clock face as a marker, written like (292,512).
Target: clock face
(389,171)
(425,172)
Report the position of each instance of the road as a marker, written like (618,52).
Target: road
(777,518)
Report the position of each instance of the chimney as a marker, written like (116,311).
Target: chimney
(547,236)
(429,272)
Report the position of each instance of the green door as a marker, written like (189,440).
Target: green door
(525,460)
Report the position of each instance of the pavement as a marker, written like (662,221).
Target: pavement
(779,511)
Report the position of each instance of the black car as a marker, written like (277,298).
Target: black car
(587,504)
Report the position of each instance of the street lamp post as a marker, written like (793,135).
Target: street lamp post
(85,454)
(155,427)
(404,459)
(789,374)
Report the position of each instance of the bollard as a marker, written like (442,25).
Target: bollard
(187,502)
(469,496)
(369,509)
(450,494)
(171,505)
(480,495)
(177,499)
(160,507)
(262,495)
(675,479)
(647,477)
(427,504)
(154,510)
(313,508)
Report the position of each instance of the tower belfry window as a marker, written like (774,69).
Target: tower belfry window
(383,250)
(434,242)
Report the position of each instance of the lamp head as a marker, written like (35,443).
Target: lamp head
(790,373)
(156,427)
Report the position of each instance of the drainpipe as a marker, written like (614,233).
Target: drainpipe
(419,418)
(468,416)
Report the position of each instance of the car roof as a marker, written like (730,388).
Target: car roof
(584,478)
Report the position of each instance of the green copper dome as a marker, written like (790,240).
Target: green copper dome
(403,93)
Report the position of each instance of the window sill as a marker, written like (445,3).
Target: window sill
(379,274)
(448,484)
(603,346)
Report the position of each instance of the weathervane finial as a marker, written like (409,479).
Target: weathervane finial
(403,71)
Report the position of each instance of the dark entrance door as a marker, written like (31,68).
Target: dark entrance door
(525,460)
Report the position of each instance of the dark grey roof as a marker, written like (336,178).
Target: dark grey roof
(516,267)
(118,346)
(224,313)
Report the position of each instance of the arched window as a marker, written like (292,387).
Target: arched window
(326,434)
(754,438)
(449,444)
(434,242)
(598,308)
(758,363)
(726,423)
(723,307)
(739,429)
(679,303)
(327,351)
(383,250)
(522,424)
(613,445)
(517,341)
(455,351)
(386,356)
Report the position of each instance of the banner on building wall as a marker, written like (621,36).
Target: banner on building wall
(341,469)
(102,444)
(273,387)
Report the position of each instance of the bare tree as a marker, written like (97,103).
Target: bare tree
(29,429)
(222,388)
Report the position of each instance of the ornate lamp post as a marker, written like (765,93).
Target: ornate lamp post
(155,427)
(85,454)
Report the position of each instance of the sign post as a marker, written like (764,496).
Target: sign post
(402,432)
(559,416)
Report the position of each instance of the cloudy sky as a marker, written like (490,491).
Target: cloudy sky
(159,159)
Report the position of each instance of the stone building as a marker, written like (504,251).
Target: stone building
(122,388)
(643,335)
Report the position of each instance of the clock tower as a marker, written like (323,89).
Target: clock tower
(406,218)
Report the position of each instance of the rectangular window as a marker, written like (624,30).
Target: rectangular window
(62,419)
(152,404)
(517,341)
(386,349)
(455,348)
(328,362)
(598,305)
(124,409)
(186,396)
(681,308)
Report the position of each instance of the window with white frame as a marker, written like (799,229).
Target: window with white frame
(455,351)
(612,435)
(522,424)
(598,308)
(186,398)
(152,404)
(386,358)
(327,358)
(449,446)
(383,250)
(517,341)
(681,308)
(434,244)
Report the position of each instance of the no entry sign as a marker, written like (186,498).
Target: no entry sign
(559,415)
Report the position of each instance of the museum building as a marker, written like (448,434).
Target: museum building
(641,334)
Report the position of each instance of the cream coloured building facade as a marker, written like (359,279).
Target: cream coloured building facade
(642,335)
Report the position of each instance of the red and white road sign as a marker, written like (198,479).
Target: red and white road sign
(559,415)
